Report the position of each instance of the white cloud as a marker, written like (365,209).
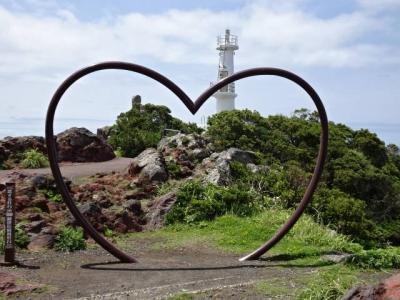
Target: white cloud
(268,36)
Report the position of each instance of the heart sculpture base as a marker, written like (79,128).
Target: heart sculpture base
(193,108)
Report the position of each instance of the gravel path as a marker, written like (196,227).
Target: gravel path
(76,170)
(92,274)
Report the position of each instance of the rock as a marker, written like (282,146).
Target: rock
(104,132)
(13,145)
(8,285)
(336,258)
(6,281)
(81,145)
(134,206)
(89,209)
(41,241)
(149,165)
(158,209)
(389,289)
(35,226)
(217,166)
(127,222)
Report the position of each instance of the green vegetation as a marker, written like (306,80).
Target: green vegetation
(359,194)
(21,238)
(388,258)
(196,203)
(70,239)
(52,195)
(34,159)
(329,283)
(174,170)
(142,126)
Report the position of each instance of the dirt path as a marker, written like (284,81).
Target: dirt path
(93,274)
(76,170)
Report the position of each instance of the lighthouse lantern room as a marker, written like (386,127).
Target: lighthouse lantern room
(226,44)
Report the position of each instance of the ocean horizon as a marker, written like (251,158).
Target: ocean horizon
(388,132)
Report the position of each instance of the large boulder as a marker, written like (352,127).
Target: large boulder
(217,166)
(149,166)
(388,289)
(81,145)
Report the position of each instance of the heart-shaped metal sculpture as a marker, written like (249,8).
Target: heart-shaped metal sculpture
(193,108)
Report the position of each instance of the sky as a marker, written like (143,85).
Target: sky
(348,50)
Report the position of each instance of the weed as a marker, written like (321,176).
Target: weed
(70,239)
(52,196)
(34,159)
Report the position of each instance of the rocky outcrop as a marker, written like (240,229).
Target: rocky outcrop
(23,143)
(81,145)
(158,209)
(388,289)
(217,166)
(149,166)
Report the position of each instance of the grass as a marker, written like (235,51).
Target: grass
(34,159)
(301,248)
(241,235)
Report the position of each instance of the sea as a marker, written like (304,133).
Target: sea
(388,132)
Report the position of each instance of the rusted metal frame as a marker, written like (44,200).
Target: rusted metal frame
(193,108)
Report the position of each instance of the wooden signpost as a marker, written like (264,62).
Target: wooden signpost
(9,224)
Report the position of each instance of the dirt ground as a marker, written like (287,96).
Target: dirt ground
(93,274)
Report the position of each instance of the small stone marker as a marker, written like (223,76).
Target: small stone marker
(9,224)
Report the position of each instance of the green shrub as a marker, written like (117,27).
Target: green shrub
(142,126)
(196,203)
(70,239)
(21,238)
(118,153)
(33,159)
(174,170)
(388,258)
(52,196)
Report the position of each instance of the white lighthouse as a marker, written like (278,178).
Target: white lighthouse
(226,44)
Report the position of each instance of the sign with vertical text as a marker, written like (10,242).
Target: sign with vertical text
(9,224)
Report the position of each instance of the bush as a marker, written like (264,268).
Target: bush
(34,159)
(21,238)
(388,258)
(52,196)
(142,126)
(196,203)
(70,239)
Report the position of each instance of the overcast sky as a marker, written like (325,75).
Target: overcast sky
(348,50)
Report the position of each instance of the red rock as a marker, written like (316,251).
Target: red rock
(389,289)
(41,241)
(6,281)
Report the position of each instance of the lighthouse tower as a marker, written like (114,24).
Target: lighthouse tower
(226,44)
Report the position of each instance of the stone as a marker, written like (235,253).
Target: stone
(14,145)
(134,206)
(158,209)
(149,166)
(81,145)
(35,226)
(89,209)
(104,132)
(217,166)
(388,289)
(7,281)
(8,285)
(41,241)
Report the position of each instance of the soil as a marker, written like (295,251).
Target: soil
(94,274)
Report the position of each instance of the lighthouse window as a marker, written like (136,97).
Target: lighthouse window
(223,74)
